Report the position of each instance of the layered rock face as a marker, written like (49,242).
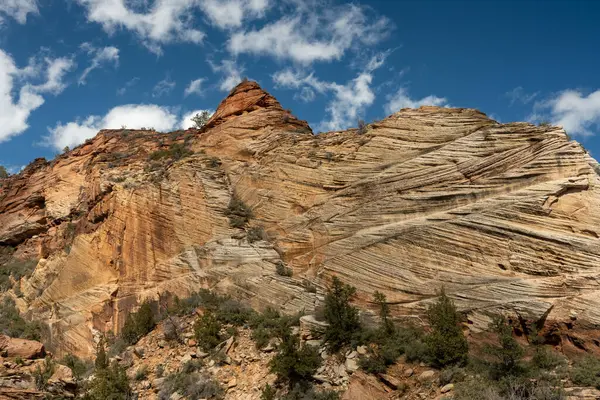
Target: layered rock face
(506,217)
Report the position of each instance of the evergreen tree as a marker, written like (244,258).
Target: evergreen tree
(340,315)
(384,313)
(446,342)
(294,363)
(201,119)
(110,383)
(101,358)
(3,172)
(508,352)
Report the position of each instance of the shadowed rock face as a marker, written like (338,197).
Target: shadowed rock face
(505,216)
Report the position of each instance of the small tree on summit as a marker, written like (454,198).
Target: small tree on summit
(3,172)
(201,119)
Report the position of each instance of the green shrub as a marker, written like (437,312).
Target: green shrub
(294,363)
(261,337)
(256,233)
(270,324)
(42,374)
(193,386)
(116,346)
(268,393)
(374,364)
(586,372)
(16,269)
(362,127)
(342,317)
(159,371)
(139,323)
(452,374)
(238,212)
(141,373)
(233,312)
(192,366)
(508,353)
(384,312)
(389,342)
(417,352)
(201,119)
(306,391)
(282,270)
(81,369)
(546,359)
(176,151)
(13,325)
(207,330)
(3,172)
(101,361)
(110,383)
(446,342)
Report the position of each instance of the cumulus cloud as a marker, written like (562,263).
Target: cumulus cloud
(105,55)
(577,113)
(194,87)
(186,120)
(18,9)
(231,72)
(227,14)
(401,99)
(132,116)
(163,87)
(313,34)
(349,100)
(17,103)
(162,22)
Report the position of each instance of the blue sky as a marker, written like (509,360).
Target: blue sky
(71,67)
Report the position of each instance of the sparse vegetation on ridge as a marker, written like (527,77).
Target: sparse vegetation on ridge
(238,212)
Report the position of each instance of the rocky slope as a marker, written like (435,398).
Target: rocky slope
(504,216)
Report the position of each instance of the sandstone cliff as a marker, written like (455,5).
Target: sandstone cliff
(505,216)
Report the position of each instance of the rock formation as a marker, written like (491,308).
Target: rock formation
(504,216)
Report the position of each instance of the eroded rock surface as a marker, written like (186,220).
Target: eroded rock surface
(504,216)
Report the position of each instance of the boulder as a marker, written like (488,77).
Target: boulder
(23,348)
(62,375)
(426,376)
(390,381)
(351,365)
(310,328)
(447,388)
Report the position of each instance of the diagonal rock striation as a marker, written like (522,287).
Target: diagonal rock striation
(504,216)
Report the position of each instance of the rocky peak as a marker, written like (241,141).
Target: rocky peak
(246,97)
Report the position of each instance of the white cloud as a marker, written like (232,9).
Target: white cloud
(194,87)
(349,100)
(186,120)
(401,99)
(133,116)
(163,87)
(576,113)
(14,112)
(232,74)
(163,22)
(101,56)
(322,33)
(128,85)
(56,69)
(227,14)
(518,95)
(18,9)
